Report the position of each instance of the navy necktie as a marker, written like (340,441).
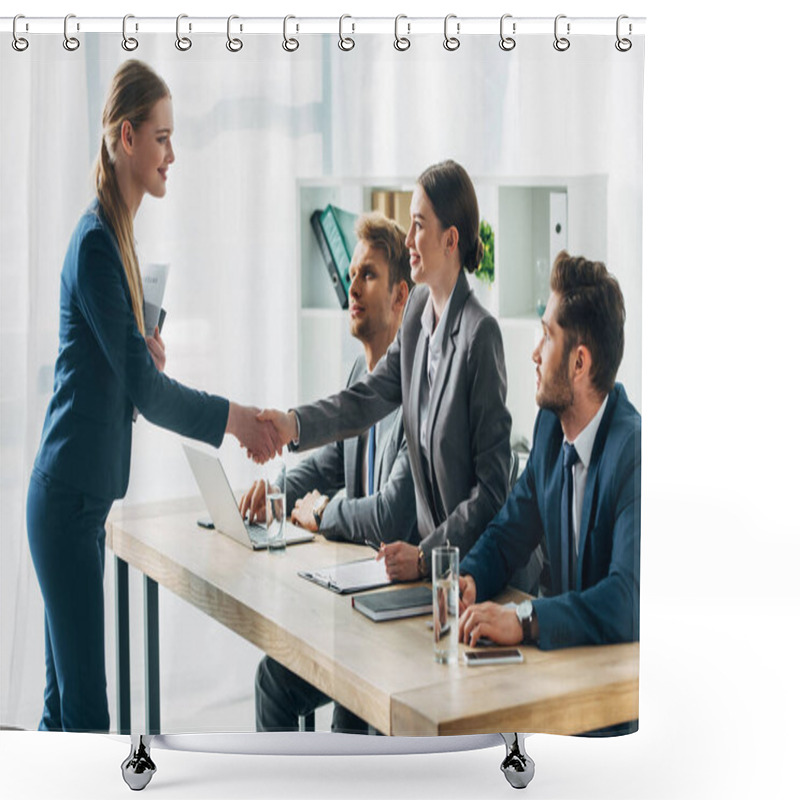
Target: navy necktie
(371,462)
(570,456)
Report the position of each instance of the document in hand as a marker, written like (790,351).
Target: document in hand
(396,603)
(354,576)
(154,282)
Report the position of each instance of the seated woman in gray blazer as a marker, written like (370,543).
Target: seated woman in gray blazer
(447,369)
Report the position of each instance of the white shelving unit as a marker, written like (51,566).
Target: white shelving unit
(532,218)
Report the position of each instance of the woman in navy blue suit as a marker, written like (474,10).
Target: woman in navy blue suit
(105,368)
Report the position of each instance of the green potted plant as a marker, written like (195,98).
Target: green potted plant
(485,271)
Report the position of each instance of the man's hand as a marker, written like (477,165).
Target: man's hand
(402,561)
(259,438)
(303,512)
(495,622)
(467,592)
(253,505)
(158,351)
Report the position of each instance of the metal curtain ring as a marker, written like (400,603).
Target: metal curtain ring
(233,44)
(561,43)
(289,44)
(18,42)
(623,45)
(129,43)
(451,42)
(507,42)
(401,43)
(345,42)
(183,43)
(70,42)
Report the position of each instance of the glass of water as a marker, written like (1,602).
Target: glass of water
(276,505)
(444,574)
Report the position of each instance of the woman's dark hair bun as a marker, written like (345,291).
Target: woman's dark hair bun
(474,257)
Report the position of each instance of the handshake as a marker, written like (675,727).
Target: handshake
(263,433)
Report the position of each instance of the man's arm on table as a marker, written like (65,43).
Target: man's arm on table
(386,516)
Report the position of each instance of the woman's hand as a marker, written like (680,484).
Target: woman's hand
(257,437)
(402,561)
(158,351)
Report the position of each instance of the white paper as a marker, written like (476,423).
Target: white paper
(352,576)
(154,282)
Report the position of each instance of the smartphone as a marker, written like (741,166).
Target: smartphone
(475,658)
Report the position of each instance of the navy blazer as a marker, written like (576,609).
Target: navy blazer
(386,516)
(604,606)
(104,369)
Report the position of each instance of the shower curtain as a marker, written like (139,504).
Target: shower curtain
(264,136)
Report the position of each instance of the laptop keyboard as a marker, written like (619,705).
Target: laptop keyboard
(257,533)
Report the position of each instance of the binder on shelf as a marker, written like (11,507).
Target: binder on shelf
(335,231)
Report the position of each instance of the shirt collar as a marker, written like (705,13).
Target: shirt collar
(584,441)
(435,338)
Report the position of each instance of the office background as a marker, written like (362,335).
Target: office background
(261,139)
(718,698)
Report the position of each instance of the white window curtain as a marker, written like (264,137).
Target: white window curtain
(251,130)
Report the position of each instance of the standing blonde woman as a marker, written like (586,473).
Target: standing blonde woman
(106,367)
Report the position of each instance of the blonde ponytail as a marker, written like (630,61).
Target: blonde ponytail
(119,217)
(135,89)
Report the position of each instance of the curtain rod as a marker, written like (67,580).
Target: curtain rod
(348,25)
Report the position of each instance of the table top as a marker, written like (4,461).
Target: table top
(384,672)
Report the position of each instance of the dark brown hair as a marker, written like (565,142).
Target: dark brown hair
(452,196)
(380,231)
(591,310)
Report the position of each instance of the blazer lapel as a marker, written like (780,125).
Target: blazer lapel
(383,433)
(352,469)
(413,419)
(551,513)
(453,324)
(591,478)
(351,476)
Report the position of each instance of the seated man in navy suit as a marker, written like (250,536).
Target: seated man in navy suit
(580,492)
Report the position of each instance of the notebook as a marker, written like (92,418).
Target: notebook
(395,603)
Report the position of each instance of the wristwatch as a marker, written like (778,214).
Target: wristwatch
(422,566)
(525,617)
(319,507)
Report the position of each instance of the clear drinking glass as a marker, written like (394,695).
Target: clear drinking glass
(276,505)
(444,574)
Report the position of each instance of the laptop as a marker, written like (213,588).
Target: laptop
(221,504)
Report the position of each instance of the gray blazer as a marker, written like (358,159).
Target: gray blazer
(388,515)
(468,423)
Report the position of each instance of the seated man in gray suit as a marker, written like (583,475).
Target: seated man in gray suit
(580,492)
(374,469)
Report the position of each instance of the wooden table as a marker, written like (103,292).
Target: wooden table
(384,672)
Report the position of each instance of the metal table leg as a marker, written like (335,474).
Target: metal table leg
(151,684)
(123,647)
